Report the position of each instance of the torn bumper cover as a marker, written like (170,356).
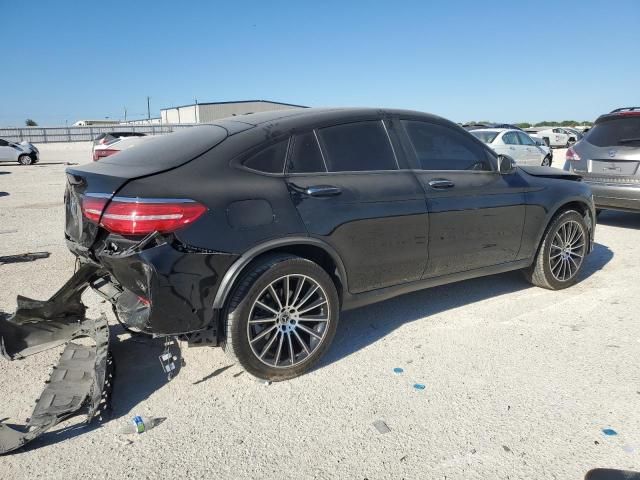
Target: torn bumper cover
(81,380)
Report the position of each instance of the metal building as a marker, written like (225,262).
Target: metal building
(208,112)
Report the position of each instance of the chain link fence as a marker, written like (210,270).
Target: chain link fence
(80,134)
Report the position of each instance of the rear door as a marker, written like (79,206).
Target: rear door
(351,190)
(476,215)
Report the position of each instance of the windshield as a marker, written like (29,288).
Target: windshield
(486,137)
(617,131)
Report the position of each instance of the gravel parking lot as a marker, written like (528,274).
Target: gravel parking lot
(519,381)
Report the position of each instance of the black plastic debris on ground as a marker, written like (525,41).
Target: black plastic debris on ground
(23,257)
(4,194)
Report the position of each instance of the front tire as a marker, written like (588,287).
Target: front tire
(546,161)
(561,253)
(25,160)
(281,317)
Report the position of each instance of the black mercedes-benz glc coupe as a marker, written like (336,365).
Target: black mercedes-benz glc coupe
(256,231)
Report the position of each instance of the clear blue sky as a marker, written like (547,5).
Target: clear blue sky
(466,60)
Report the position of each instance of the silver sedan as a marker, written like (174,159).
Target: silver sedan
(516,144)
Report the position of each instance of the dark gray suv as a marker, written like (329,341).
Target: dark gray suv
(608,158)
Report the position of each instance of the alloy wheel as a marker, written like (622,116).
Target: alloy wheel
(288,321)
(567,251)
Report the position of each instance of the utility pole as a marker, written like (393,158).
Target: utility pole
(196,101)
(125,114)
(148,110)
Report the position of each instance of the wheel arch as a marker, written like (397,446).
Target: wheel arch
(310,248)
(577,203)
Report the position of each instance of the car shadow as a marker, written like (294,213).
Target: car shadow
(613,218)
(364,326)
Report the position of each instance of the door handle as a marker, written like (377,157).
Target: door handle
(323,191)
(441,183)
(512,148)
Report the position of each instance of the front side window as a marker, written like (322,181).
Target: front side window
(510,138)
(362,146)
(442,148)
(3,143)
(525,139)
(269,160)
(305,156)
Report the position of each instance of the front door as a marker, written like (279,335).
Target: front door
(476,215)
(352,192)
(7,153)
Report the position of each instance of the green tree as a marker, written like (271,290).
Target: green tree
(30,123)
(523,125)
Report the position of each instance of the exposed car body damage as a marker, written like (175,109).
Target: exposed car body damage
(81,380)
(550,172)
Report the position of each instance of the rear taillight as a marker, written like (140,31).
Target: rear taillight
(572,156)
(142,216)
(92,207)
(103,152)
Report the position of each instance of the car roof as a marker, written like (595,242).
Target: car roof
(496,130)
(307,117)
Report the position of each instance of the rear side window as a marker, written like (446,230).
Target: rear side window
(269,160)
(305,155)
(358,146)
(442,148)
(486,137)
(620,131)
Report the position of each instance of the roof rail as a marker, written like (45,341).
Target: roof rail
(626,109)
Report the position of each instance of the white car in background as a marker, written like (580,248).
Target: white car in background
(516,144)
(557,137)
(24,153)
(110,145)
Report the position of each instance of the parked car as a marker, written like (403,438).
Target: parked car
(110,144)
(578,135)
(477,126)
(111,136)
(24,153)
(515,143)
(556,137)
(608,158)
(258,230)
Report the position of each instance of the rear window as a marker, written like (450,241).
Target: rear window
(358,146)
(486,137)
(619,131)
(269,160)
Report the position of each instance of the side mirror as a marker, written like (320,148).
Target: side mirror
(506,164)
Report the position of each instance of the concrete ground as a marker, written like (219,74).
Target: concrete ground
(519,381)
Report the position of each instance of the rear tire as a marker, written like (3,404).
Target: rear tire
(25,160)
(273,329)
(561,253)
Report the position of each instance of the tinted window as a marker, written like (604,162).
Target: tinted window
(442,148)
(620,131)
(510,138)
(269,160)
(357,147)
(525,139)
(486,137)
(305,155)
(3,143)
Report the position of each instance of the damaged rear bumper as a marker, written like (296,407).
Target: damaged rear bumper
(81,380)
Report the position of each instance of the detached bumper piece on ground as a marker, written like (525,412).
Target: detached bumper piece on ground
(81,381)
